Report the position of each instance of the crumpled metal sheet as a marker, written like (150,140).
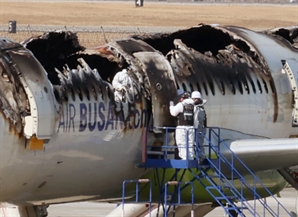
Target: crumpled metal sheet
(287,33)
(204,58)
(13,100)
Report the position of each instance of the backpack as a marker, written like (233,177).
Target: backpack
(200,118)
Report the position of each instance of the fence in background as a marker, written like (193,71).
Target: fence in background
(88,37)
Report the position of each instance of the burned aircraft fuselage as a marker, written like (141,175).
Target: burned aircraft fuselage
(59,109)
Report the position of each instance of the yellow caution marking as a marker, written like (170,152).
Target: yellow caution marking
(35,144)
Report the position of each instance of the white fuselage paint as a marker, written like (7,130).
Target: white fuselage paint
(82,160)
(93,163)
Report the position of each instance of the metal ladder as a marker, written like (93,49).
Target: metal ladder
(137,199)
(224,191)
(174,199)
(171,198)
(215,182)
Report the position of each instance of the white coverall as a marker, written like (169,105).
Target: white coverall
(121,82)
(182,131)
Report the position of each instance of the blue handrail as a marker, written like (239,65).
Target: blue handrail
(178,185)
(223,180)
(256,180)
(137,182)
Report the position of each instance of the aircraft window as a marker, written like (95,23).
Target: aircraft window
(199,88)
(205,88)
(94,92)
(232,87)
(184,87)
(265,85)
(211,87)
(80,94)
(240,87)
(222,87)
(272,86)
(246,87)
(259,85)
(107,89)
(252,85)
(191,87)
(57,96)
(72,94)
(87,93)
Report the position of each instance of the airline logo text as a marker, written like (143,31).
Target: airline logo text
(97,116)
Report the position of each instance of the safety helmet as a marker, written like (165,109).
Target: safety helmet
(186,95)
(196,95)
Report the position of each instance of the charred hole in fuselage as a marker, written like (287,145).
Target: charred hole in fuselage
(60,49)
(202,39)
(52,51)
(169,57)
(287,34)
(105,68)
(207,39)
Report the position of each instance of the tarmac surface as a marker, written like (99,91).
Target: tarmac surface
(94,209)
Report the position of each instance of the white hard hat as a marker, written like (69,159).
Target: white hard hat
(196,95)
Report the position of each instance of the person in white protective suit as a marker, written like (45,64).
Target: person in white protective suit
(121,84)
(200,120)
(184,132)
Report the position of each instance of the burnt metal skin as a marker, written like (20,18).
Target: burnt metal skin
(12,108)
(223,63)
(87,131)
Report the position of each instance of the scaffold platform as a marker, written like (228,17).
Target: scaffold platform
(207,172)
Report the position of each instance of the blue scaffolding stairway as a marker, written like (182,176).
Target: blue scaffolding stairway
(220,184)
(137,182)
(224,190)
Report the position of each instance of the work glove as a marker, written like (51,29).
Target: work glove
(171,103)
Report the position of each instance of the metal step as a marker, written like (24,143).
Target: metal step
(290,176)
